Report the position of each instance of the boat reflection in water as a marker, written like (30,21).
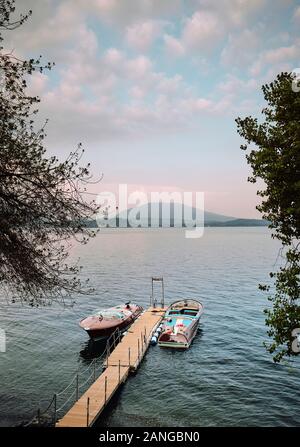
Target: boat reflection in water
(92,349)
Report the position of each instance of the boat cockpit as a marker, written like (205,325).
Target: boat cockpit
(185,312)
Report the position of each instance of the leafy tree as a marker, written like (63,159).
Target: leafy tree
(276,161)
(42,204)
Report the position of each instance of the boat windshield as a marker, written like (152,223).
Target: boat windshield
(190,312)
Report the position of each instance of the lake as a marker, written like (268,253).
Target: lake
(226,378)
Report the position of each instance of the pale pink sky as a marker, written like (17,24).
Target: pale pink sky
(152,88)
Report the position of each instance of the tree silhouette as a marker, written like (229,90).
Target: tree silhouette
(276,161)
(42,200)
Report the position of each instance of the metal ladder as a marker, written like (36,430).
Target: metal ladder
(153,300)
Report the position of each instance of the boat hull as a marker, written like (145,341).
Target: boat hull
(173,345)
(102,325)
(101,334)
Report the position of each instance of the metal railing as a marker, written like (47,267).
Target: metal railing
(63,400)
(153,299)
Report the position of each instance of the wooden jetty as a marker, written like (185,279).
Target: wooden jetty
(124,359)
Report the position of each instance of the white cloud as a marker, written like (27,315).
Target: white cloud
(114,57)
(296,15)
(127,12)
(234,86)
(38,83)
(48,29)
(192,105)
(137,92)
(278,56)
(210,23)
(202,30)
(101,93)
(138,67)
(241,48)
(170,86)
(282,54)
(142,35)
(234,13)
(156,102)
(173,46)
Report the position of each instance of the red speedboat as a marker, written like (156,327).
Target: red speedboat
(104,322)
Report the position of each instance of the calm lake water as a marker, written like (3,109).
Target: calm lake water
(225,379)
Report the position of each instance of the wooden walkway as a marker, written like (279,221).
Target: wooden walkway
(125,358)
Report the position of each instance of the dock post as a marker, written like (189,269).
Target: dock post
(139,350)
(77,386)
(152,290)
(87,412)
(129,357)
(116,337)
(105,390)
(119,371)
(142,344)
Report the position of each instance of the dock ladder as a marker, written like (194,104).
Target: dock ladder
(153,300)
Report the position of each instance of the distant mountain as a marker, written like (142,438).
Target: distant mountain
(239,223)
(145,212)
(213,217)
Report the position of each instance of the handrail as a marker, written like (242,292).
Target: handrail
(111,342)
(67,387)
(153,300)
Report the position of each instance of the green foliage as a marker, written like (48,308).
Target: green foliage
(42,201)
(276,160)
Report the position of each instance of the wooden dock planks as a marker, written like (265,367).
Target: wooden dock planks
(125,358)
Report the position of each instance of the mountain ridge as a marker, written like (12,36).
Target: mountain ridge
(143,214)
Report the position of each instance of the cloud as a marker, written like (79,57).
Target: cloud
(170,85)
(103,90)
(277,56)
(48,27)
(233,13)
(128,12)
(281,54)
(141,36)
(137,92)
(114,57)
(296,15)
(202,30)
(138,67)
(173,46)
(38,84)
(212,21)
(241,48)
(109,95)
(234,86)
